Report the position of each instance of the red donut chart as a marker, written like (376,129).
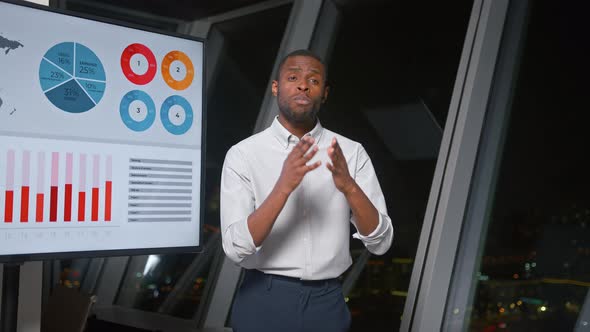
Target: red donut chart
(150,72)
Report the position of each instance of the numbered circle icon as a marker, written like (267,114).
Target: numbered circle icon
(176,115)
(138,64)
(137,110)
(178,70)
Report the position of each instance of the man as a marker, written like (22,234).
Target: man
(285,218)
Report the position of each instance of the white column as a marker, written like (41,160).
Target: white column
(29,297)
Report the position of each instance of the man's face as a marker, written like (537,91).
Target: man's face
(300,89)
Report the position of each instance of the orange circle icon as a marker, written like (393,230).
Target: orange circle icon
(178,70)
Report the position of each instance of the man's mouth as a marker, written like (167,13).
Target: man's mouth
(302,100)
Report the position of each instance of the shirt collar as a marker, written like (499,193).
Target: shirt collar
(284,136)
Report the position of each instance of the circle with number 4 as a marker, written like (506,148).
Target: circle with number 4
(176,115)
(137,110)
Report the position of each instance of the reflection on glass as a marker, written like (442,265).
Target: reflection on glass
(73,272)
(175,284)
(151,284)
(535,267)
(392,73)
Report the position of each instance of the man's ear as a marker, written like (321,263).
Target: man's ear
(325,97)
(275,88)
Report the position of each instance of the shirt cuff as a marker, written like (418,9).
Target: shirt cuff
(239,243)
(376,234)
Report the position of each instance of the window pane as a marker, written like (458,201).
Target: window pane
(392,73)
(244,66)
(73,272)
(534,268)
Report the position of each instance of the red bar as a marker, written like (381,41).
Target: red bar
(24,204)
(94,216)
(53,204)
(39,208)
(68,203)
(107,204)
(81,205)
(8,206)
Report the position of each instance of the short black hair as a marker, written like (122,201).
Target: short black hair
(303,52)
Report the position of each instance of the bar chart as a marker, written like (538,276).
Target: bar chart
(57,184)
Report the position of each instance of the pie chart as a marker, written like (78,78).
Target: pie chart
(176,115)
(178,70)
(72,77)
(137,110)
(139,64)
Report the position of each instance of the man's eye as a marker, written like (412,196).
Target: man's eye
(314,81)
(291,78)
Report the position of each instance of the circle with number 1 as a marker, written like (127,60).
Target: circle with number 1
(138,64)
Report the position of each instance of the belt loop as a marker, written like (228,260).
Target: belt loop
(268,281)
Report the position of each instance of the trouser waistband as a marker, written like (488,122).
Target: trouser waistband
(291,280)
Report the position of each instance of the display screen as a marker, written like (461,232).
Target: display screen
(101,136)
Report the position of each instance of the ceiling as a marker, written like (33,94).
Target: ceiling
(184,10)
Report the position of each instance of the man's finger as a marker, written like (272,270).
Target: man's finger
(304,144)
(312,166)
(336,145)
(307,157)
(312,152)
(332,154)
(330,167)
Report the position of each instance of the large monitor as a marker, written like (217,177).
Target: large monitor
(101,137)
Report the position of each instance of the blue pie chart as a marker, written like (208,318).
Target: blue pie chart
(179,120)
(141,105)
(72,77)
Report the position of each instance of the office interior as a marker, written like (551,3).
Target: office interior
(473,113)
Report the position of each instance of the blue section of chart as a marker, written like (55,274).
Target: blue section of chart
(88,65)
(70,98)
(72,77)
(126,117)
(164,116)
(50,75)
(63,56)
(94,88)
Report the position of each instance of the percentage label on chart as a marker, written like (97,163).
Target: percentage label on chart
(56,74)
(90,85)
(63,61)
(87,70)
(71,92)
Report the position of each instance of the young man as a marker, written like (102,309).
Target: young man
(287,197)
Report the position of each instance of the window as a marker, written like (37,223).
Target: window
(235,95)
(532,265)
(391,73)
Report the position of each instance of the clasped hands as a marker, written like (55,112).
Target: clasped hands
(295,166)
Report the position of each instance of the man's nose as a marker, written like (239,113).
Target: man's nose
(303,87)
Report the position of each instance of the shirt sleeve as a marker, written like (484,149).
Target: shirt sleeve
(379,241)
(236,204)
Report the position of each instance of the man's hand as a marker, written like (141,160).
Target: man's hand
(339,168)
(295,168)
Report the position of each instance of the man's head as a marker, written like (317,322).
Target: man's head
(300,87)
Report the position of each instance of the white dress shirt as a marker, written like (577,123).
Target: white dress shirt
(310,238)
